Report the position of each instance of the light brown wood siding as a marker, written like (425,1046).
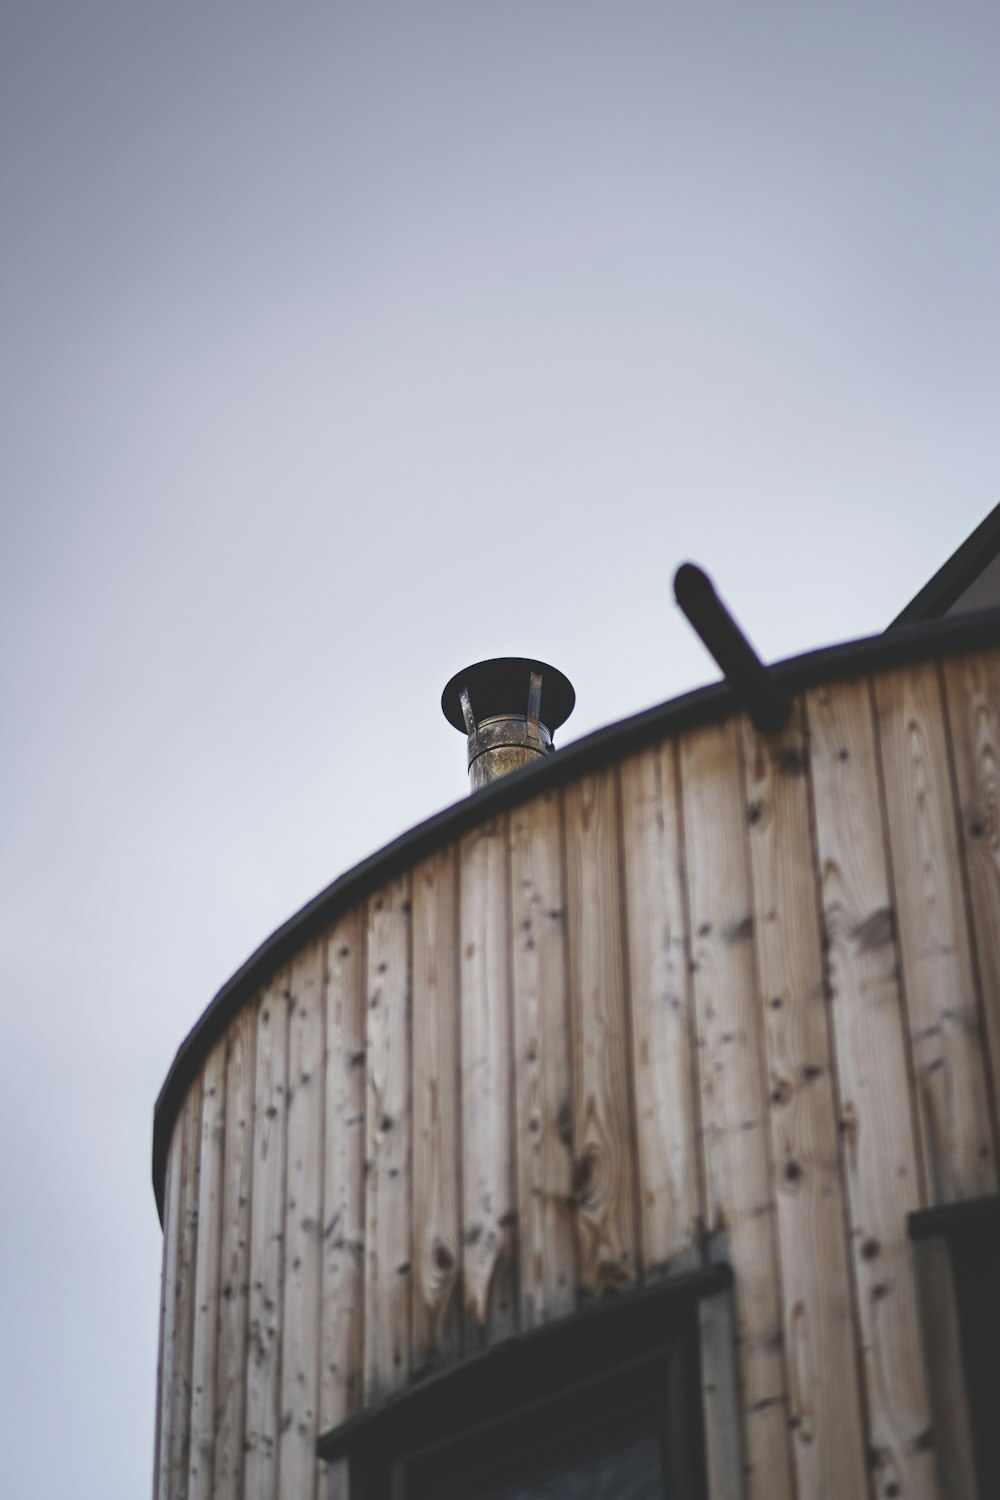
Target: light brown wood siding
(547,1253)
(740,1204)
(267,1235)
(436,1329)
(729,996)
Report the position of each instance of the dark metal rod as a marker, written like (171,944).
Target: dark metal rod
(753,685)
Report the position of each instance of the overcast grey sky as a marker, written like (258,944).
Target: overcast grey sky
(343,345)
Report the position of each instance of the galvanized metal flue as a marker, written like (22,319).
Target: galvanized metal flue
(509,708)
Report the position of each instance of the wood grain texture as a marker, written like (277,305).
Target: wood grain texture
(972,686)
(880,1150)
(948,1050)
(207,1265)
(725,1461)
(671,1211)
(436,1331)
(488,1193)
(387,1179)
(171,1181)
(267,1231)
(175,1443)
(342,1313)
(234,1257)
(173,1362)
(335,1480)
(825,1404)
(734,1107)
(297,1464)
(542,1080)
(441,1126)
(603,1132)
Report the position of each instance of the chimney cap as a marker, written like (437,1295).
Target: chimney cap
(499,688)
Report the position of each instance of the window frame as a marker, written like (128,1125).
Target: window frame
(956,1248)
(511,1389)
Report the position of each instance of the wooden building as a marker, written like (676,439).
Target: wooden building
(628,1129)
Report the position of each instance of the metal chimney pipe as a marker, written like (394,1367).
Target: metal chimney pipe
(509,708)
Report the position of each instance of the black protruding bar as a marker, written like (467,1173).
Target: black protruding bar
(755,689)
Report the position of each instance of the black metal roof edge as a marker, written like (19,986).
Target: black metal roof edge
(702,706)
(954,576)
(434,1392)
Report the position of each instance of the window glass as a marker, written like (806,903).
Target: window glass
(630,1470)
(604,1442)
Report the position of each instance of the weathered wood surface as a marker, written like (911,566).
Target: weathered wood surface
(387,1163)
(667,1142)
(168,1275)
(880,1152)
(972,687)
(489,1201)
(206,1284)
(436,1330)
(342,1293)
(948,1054)
(441,1125)
(603,1134)
(725,1462)
(547,1259)
(234,1257)
(822,1356)
(303,1227)
(734,1106)
(267,1235)
(180,1228)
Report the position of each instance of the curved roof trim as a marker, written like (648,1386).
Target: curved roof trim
(705,705)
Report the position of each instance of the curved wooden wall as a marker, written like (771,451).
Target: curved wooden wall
(728,996)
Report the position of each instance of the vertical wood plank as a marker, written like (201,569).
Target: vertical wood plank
(342,1317)
(180,1425)
(303,1227)
(733,1107)
(725,1461)
(547,1257)
(436,1314)
(206,1290)
(825,1404)
(387,1185)
(880,1150)
(604,1138)
(175,1419)
(335,1480)
(234,1265)
(667,1146)
(267,1228)
(174,1292)
(342,1323)
(167,1259)
(488,1192)
(952,1095)
(972,687)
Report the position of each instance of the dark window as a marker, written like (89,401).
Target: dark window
(957,1250)
(605,1405)
(605,1440)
